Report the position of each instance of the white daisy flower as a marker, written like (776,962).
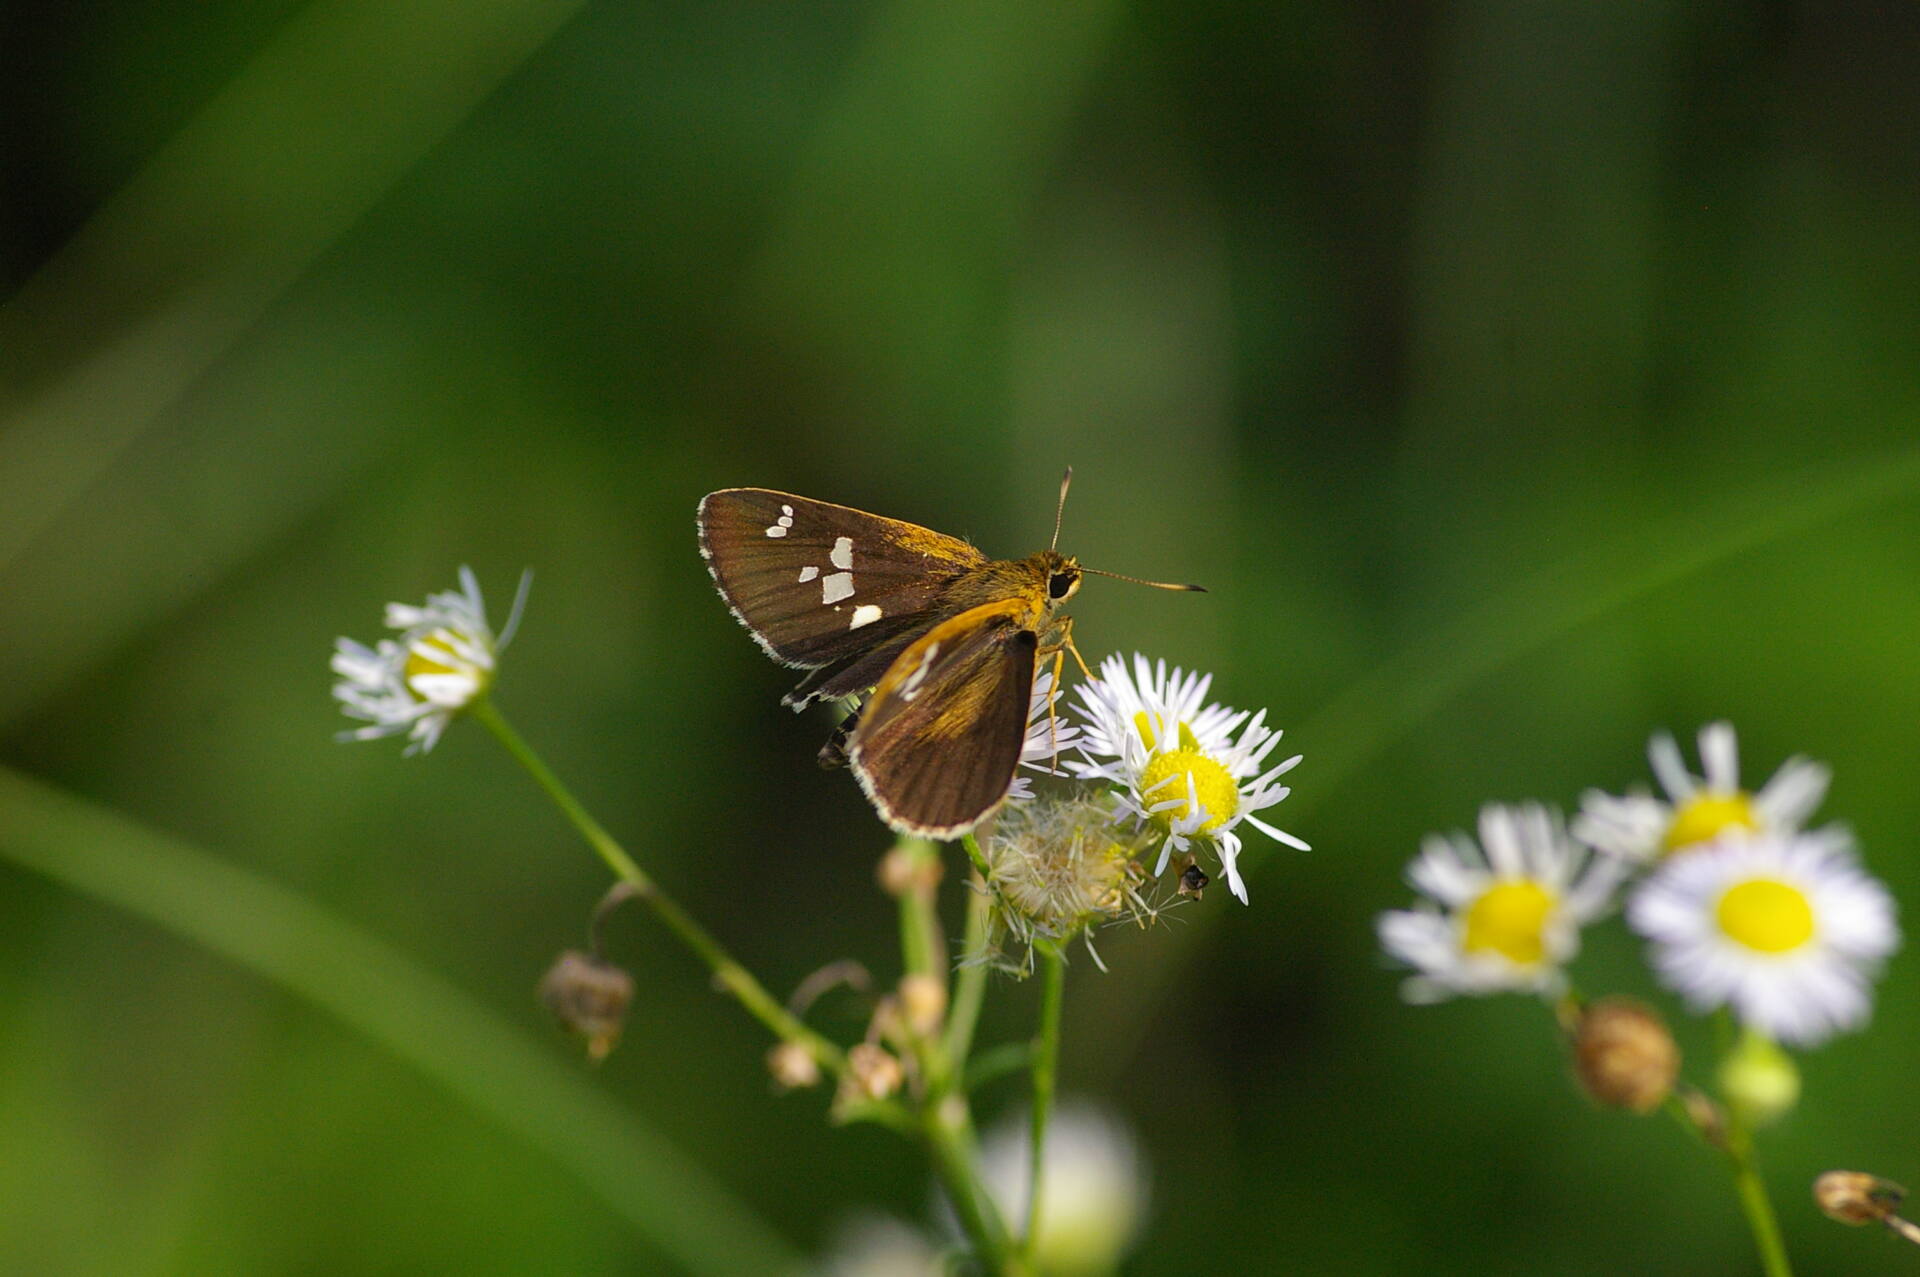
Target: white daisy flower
(1049,735)
(1504,915)
(1788,930)
(1093,1185)
(1188,770)
(1699,809)
(441,662)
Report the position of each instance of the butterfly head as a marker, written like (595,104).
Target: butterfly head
(1062,575)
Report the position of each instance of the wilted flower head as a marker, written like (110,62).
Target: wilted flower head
(589,996)
(1504,915)
(1188,771)
(1788,931)
(1855,1197)
(1698,810)
(442,661)
(1059,865)
(1093,1187)
(1624,1055)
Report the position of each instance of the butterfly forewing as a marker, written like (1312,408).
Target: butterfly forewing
(821,584)
(940,738)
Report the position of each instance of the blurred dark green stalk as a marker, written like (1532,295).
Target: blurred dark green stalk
(382,994)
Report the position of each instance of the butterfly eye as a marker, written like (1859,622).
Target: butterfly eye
(1061,584)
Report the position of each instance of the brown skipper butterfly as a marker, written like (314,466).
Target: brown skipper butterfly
(944,638)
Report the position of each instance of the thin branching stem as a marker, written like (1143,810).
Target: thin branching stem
(970,981)
(1754,1201)
(1046,1061)
(727,972)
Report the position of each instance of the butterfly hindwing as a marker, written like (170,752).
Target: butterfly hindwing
(939,739)
(819,584)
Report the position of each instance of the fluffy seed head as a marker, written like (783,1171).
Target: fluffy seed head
(1058,865)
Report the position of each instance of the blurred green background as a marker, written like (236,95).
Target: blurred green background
(1520,377)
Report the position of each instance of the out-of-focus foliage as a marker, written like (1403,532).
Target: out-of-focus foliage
(1519,378)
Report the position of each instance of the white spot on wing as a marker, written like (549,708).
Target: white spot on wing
(808,573)
(786,510)
(784,522)
(842,555)
(910,686)
(777,530)
(836,586)
(865,614)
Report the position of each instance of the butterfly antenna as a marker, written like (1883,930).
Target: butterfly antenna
(1059,511)
(1158,585)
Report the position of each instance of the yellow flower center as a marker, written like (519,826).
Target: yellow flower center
(436,654)
(1704,817)
(1765,915)
(1510,919)
(1144,726)
(1165,779)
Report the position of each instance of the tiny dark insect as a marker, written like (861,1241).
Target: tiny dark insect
(946,639)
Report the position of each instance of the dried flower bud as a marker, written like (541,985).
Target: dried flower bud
(589,997)
(1759,1080)
(923,1004)
(908,868)
(1706,1115)
(1193,880)
(793,1066)
(1624,1056)
(1855,1197)
(874,1071)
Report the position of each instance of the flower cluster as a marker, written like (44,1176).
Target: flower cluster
(1156,771)
(1742,905)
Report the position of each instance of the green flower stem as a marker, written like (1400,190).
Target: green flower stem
(949,1136)
(970,983)
(977,856)
(997,1062)
(1737,1143)
(1046,1060)
(431,1025)
(946,1117)
(922,951)
(1753,1197)
(727,973)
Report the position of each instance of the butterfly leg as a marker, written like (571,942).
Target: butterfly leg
(1065,625)
(1059,643)
(1053,713)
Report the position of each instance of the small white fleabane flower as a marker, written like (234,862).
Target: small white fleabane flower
(441,662)
(1049,735)
(1501,916)
(880,1246)
(1093,1184)
(1788,930)
(1698,810)
(1189,771)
